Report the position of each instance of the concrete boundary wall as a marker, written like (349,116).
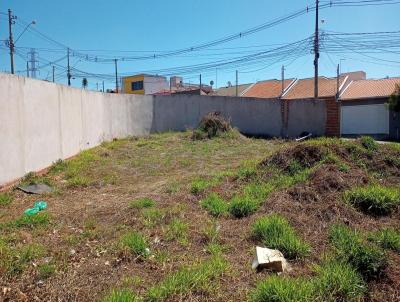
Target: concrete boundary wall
(41,122)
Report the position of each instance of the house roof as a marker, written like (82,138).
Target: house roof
(231,91)
(363,89)
(304,88)
(267,89)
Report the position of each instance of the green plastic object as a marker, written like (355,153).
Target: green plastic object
(37,207)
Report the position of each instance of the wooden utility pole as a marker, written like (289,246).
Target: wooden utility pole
(338,82)
(53,72)
(11,39)
(68,69)
(237,83)
(27,69)
(201,84)
(316,48)
(283,79)
(116,75)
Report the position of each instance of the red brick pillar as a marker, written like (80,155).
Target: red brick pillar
(332,118)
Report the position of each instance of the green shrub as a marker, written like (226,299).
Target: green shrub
(5,199)
(349,246)
(188,279)
(242,206)
(142,203)
(215,205)
(135,243)
(374,199)
(369,143)
(121,295)
(282,289)
(338,281)
(275,232)
(388,239)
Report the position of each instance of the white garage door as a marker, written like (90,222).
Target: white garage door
(365,119)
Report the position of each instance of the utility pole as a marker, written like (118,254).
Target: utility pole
(27,69)
(97,86)
(216,78)
(11,22)
(103,86)
(338,82)
(53,72)
(237,80)
(116,75)
(68,69)
(200,84)
(316,48)
(283,79)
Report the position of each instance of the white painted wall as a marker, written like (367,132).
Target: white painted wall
(365,119)
(41,122)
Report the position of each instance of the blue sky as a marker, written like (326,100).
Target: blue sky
(157,25)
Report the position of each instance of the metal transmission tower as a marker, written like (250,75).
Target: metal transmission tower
(34,64)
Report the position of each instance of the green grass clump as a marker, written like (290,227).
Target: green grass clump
(142,203)
(282,289)
(275,232)
(5,199)
(121,295)
(198,277)
(46,270)
(28,222)
(338,281)
(14,259)
(374,199)
(243,205)
(135,243)
(214,205)
(152,217)
(387,239)
(350,246)
(177,230)
(369,143)
(199,186)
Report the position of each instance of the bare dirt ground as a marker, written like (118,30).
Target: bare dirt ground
(76,254)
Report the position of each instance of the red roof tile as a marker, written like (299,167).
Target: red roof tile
(267,89)
(370,88)
(304,88)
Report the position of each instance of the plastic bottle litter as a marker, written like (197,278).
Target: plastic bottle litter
(37,207)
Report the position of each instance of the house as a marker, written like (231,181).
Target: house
(231,90)
(268,89)
(364,112)
(327,87)
(144,84)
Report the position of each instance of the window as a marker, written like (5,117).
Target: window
(138,85)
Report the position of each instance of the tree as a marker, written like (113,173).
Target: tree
(84,83)
(394,100)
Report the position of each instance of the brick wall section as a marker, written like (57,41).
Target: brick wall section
(332,118)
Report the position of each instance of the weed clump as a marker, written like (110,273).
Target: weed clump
(177,230)
(387,239)
(188,279)
(243,206)
(338,281)
(135,243)
(121,295)
(282,289)
(374,199)
(274,231)
(142,203)
(215,205)
(349,246)
(369,143)
(212,125)
(5,199)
